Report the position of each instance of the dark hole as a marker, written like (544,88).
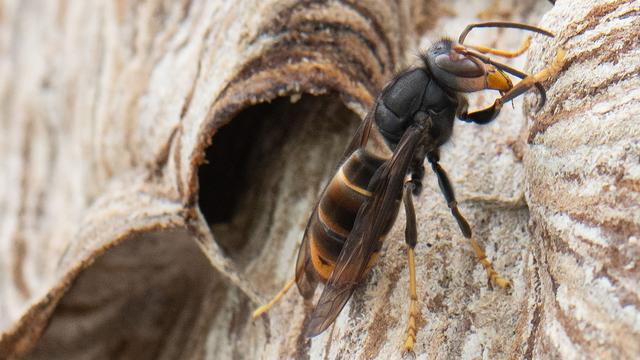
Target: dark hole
(266,167)
(223,177)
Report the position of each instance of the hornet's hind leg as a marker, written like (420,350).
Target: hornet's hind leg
(264,308)
(447,191)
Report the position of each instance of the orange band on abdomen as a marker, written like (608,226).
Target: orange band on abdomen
(321,263)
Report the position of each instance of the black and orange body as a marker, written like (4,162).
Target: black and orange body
(337,209)
(383,167)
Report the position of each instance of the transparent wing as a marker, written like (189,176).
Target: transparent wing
(305,279)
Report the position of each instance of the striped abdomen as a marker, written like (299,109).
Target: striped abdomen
(333,220)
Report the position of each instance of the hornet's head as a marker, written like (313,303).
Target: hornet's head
(454,68)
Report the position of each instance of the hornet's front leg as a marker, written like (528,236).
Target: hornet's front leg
(488,114)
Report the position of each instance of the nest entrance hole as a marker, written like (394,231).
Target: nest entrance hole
(266,167)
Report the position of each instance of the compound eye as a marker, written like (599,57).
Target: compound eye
(459,65)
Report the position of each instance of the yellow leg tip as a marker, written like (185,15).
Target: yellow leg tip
(503,282)
(408,353)
(409,342)
(258,312)
(552,69)
(264,308)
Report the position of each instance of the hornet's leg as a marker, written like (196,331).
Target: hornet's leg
(447,191)
(264,308)
(411,236)
(417,173)
(412,187)
(487,114)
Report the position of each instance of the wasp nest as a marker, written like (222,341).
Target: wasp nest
(160,160)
